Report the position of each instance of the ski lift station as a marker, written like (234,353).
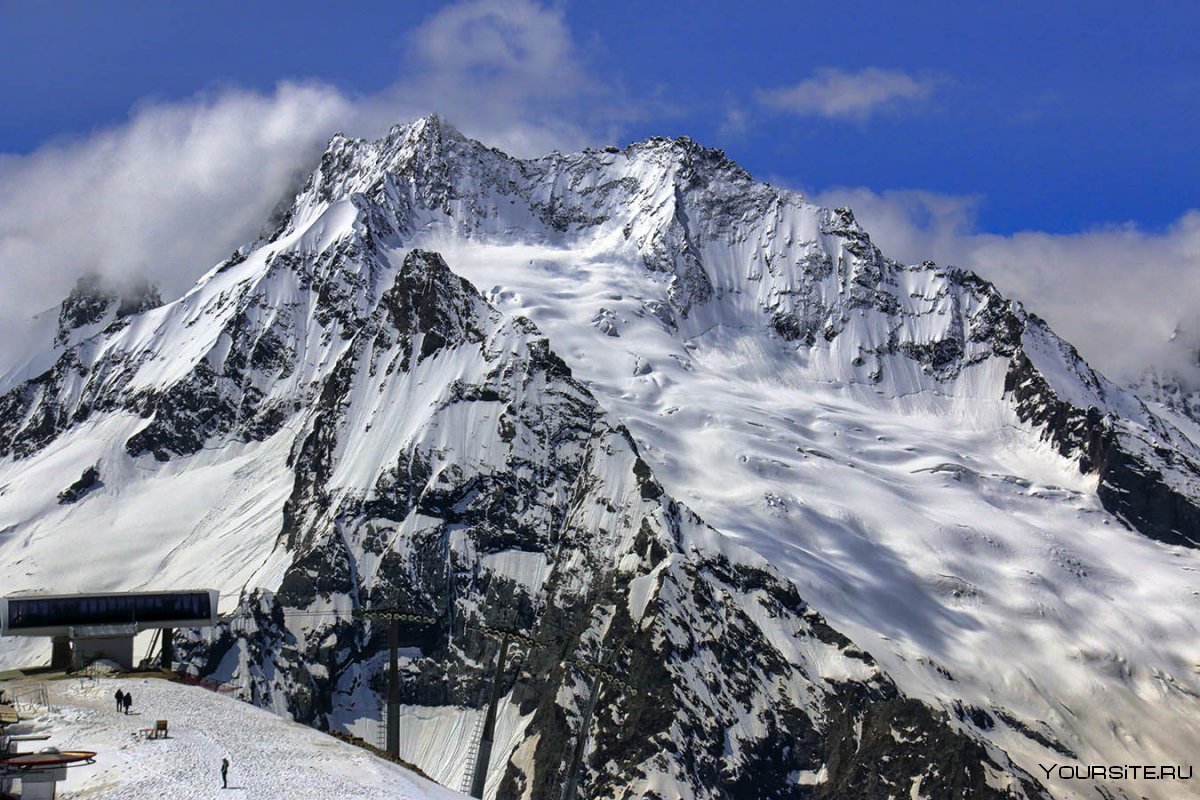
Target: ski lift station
(87,627)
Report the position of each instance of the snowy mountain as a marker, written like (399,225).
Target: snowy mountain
(847,527)
(1170,398)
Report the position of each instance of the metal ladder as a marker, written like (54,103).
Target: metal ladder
(472,753)
(380,738)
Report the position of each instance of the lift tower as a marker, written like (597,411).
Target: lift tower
(393,616)
(488,737)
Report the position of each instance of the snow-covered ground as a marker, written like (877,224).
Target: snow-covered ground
(270,757)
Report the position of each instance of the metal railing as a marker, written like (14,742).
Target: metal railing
(235,690)
(25,698)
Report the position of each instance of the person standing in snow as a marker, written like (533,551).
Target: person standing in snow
(120,696)
(127,701)
(224,773)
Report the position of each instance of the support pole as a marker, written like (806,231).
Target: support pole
(600,674)
(393,617)
(393,703)
(60,653)
(168,648)
(581,740)
(488,738)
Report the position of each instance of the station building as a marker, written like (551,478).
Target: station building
(87,627)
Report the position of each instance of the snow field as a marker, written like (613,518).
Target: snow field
(271,758)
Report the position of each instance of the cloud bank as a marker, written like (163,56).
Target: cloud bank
(1127,298)
(169,193)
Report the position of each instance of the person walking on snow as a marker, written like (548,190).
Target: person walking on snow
(224,773)
(127,701)
(120,696)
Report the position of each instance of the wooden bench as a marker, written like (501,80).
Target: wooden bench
(159,731)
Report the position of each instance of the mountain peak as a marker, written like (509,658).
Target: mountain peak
(431,132)
(426,267)
(690,153)
(430,304)
(86,304)
(433,124)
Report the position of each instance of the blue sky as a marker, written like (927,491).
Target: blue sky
(1048,146)
(1061,116)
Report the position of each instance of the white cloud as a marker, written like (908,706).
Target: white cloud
(837,94)
(1128,298)
(735,123)
(178,186)
(482,38)
(164,196)
(504,71)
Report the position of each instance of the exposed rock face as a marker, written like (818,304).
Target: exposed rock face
(87,304)
(1149,470)
(88,481)
(1169,391)
(441,457)
(96,300)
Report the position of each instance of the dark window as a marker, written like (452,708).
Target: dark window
(61,612)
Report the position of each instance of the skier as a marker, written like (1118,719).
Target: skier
(127,701)
(120,696)
(224,773)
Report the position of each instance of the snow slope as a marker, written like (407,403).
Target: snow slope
(271,758)
(940,532)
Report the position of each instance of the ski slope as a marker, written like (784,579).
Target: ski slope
(271,758)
